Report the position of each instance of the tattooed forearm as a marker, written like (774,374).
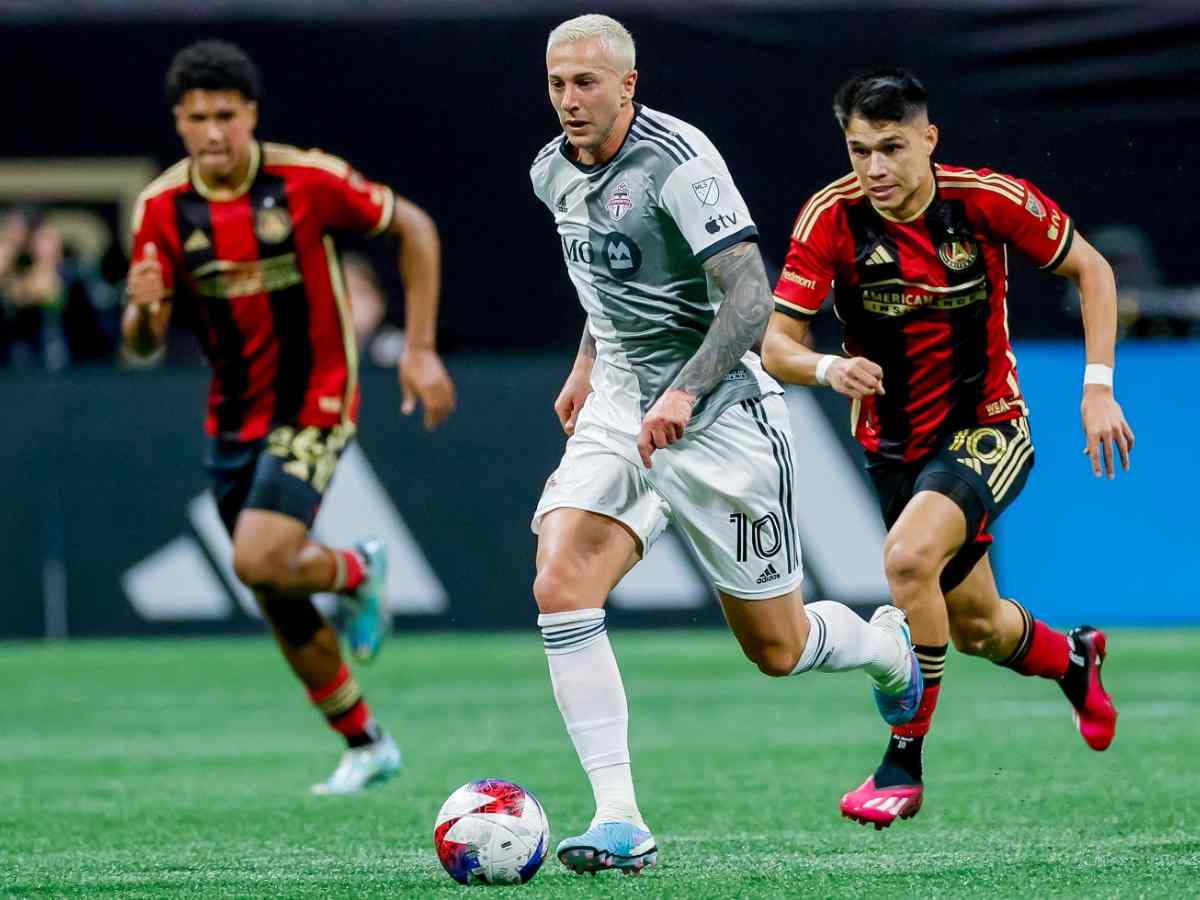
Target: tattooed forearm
(740,323)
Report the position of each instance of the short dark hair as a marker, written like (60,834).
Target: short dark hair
(881,95)
(212,66)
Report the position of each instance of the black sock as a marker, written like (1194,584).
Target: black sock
(903,759)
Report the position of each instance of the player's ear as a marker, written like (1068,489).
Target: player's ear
(931,137)
(177,109)
(252,113)
(628,86)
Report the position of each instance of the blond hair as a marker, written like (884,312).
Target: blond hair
(617,41)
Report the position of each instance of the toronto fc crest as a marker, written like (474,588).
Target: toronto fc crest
(619,202)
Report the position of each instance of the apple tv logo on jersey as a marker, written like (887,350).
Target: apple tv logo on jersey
(719,221)
(624,257)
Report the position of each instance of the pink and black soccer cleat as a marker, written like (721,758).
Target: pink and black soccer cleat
(881,807)
(1095,715)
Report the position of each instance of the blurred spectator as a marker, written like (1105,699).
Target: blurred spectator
(379,342)
(48,314)
(1145,306)
(32,293)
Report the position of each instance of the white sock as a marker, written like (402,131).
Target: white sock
(591,698)
(838,640)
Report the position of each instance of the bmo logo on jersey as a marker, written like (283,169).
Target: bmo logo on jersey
(618,253)
(576,250)
(622,255)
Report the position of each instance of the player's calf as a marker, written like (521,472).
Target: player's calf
(295,620)
(977,636)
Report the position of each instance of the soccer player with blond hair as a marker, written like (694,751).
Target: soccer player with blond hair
(670,418)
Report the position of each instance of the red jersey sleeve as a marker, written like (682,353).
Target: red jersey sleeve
(1019,213)
(153,223)
(348,201)
(808,270)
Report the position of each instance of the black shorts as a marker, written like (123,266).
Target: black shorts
(285,472)
(982,469)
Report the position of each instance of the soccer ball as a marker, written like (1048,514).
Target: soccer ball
(491,832)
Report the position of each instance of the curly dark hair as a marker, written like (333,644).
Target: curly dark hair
(881,95)
(212,66)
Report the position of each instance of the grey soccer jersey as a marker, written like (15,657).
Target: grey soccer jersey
(635,233)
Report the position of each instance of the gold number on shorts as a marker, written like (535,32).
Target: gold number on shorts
(991,456)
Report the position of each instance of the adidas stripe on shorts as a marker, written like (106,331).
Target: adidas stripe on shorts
(727,488)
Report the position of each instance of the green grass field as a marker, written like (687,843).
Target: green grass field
(179,769)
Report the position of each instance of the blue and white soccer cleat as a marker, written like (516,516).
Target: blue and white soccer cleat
(361,767)
(368,621)
(898,696)
(609,845)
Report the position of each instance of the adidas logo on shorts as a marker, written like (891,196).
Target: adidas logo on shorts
(769,574)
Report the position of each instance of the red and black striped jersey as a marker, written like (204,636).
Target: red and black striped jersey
(924,298)
(262,270)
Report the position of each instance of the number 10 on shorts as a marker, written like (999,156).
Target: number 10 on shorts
(764,533)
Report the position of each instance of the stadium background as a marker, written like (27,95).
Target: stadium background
(158,767)
(105,531)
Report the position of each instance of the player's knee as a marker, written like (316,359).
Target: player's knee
(262,567)
(906,562)
(774,660)
(973,636)
(555,591)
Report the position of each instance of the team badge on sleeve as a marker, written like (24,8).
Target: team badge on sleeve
(708,192)
(619,202)
(1034,207)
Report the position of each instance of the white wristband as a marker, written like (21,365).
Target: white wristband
(1098,373)
(822,373)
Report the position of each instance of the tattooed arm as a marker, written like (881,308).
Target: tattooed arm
(578,384)
(739,325)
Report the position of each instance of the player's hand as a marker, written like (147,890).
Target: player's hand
(856,377)
(1104,425)
(424,380)
(145,286)
(571,398)
(665,423)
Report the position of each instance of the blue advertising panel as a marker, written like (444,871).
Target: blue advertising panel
(1076,548)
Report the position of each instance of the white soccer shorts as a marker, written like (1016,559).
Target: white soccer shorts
(729,490)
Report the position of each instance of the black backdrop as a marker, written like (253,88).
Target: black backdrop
(1095,102)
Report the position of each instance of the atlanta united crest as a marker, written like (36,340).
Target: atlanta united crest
(272,225)
(619,202)
(958,255)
